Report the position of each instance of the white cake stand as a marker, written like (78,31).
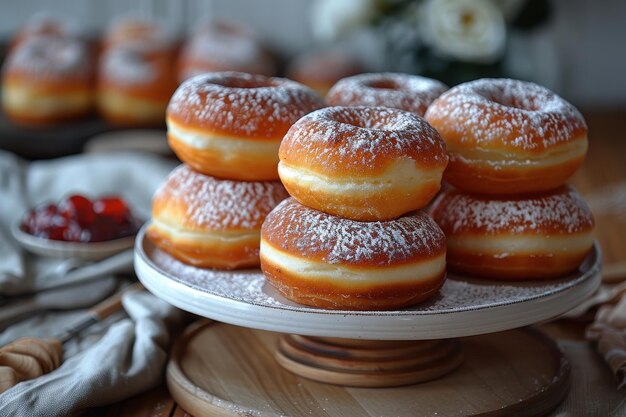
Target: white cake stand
(365,348)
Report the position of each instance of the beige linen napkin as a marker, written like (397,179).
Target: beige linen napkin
(116,363)
(609,332)
(23,185)
(113,360)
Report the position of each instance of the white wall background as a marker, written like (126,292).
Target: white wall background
(588,37)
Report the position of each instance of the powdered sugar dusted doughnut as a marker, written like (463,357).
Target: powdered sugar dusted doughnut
(325,261)
(46,24)
(362,163)
(222,46)
(208,222)
(399,91)
(128,30)
(535,237)
(230,124)
(135,82)
(321,69)
(508,137)
(47,79)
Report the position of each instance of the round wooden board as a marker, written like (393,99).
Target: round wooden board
(218,369)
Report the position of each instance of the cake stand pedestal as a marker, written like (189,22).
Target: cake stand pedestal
(221,369)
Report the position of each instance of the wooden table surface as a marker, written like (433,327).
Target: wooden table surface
(602,181)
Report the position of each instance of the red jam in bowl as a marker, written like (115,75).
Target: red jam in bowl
(78,219)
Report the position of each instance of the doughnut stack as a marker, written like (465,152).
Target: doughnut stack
(48,74)
(221,46)
(352,235)
(136,77)
(509,214)
(226,128)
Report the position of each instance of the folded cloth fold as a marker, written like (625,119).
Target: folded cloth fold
(128,359)
(609,332)
(112,360)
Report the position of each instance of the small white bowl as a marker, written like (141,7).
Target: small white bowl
(90,251)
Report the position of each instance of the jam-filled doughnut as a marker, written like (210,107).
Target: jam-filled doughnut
(211,223)
(230,124)
(539,236)
(321,69)
(222,46)
(362,163)
(320,260)
(399,91)
(508,137)
(47,80)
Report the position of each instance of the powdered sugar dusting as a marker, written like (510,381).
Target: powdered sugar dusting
(218,204)
(458,294)
(305,231)
(47,23)
(51,57)
(400,91)
(361,137)
(220,50)
(250,105)
(126,65)
(520,114)
(563,211)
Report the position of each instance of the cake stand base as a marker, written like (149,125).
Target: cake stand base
(368,363)
(218,369)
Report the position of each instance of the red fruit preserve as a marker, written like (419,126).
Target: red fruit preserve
(78,219)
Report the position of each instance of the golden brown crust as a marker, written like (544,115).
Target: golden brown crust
(317,236)
(484,179)
(376,204)
(324,294)
(355,141)
(241,105)
(207,255)
(28,118)
(257,167)
(514,267)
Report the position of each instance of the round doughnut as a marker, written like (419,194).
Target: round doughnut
(135,83)
(320,260)
(230,124)
(515,238)
(508,137)
(399,91)
(222,46)
(47,80)
(321,69)
(129,29)
(46,24)
(362,163)
(211,223)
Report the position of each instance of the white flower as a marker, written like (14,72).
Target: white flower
(467,30)
(332,19)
